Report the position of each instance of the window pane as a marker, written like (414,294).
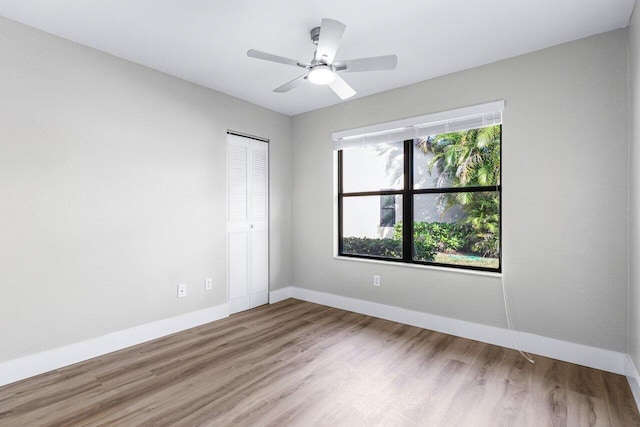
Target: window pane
(369,226)
(373,168)
(469,158)
(457,228)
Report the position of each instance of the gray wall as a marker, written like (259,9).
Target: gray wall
(112,191)
(634,179)
(565,197)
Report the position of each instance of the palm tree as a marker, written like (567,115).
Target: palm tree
(465,159)
(470,158)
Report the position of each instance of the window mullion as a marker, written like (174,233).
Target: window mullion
(374,193)
(439,190)
(340,213)
(407,203)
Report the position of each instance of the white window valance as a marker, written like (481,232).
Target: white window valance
(473,117)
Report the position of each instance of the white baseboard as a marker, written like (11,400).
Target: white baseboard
(35,364)
(280,294)
(633,378)
(579,354)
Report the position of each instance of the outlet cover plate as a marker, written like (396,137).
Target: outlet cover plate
(182,290)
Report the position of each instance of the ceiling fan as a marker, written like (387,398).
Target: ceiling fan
(322,69)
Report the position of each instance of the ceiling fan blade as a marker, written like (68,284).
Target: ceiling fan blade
(252,53)
(331,32)
(288,86)
(377,63)
(341,88)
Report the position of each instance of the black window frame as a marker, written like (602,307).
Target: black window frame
(408,193)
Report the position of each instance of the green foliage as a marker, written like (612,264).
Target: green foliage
(467,158)
(424,249)
(443,236)
(470,159)
(431,238)
(484,218)
(388,248)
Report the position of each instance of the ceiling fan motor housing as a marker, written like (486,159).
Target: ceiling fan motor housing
(315,35)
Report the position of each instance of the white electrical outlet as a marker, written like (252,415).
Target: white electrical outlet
(376,280)
(208,284)
(182,290)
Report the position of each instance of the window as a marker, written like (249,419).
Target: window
(432,199)
(387,210)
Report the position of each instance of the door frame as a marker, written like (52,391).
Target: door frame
(247,303)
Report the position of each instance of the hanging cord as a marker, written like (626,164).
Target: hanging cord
(507,309)
(510,323)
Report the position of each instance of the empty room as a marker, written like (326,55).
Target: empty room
(320,213)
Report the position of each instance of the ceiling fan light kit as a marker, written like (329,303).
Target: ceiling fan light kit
(321,74)
(323,70)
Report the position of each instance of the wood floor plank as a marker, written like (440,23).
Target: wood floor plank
(296,363)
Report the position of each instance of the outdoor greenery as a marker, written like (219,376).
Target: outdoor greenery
(429,239)
(467,158)
(443,236)
(389,248)
(470,158)
(439,237)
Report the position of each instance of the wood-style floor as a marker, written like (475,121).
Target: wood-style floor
(296,363)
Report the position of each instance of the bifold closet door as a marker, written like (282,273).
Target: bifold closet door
(247,223)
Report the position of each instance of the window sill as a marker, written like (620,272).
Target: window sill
(420,266)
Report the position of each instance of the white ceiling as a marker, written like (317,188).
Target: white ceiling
(205,42)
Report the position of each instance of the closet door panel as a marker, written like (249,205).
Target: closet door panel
(247,223)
